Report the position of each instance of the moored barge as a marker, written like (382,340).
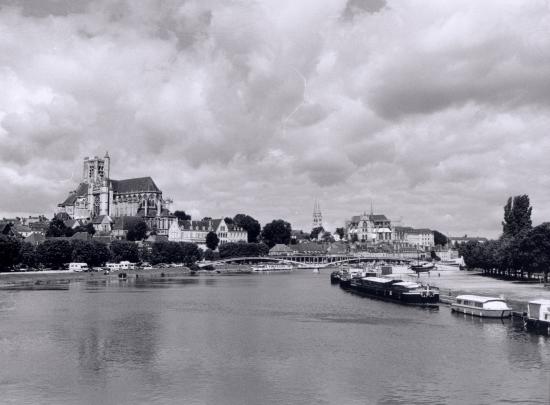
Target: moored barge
(538,316)
(404,292)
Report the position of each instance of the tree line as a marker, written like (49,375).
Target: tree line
(521,249)
(56,253)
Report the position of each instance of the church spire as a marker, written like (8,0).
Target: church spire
(317,216)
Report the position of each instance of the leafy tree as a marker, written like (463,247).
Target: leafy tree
(182,216)
(439,239)
(82,251)
(535,249)
(7,229)
(124,250)
(54,253)
(517,217)
(212,240)
(209,254)
(27,255)
(101,254)
(137,231)
(9,252)
(243,249)
(57,229)
(207,219)
(277,231)
(314,235)
(229,221)
(250,225)
(340,232)
(191,253)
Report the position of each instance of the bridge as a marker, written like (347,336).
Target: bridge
(311,261)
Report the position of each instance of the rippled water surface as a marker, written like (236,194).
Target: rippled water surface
(256,339)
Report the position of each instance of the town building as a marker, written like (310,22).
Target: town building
(405,236)
(98,194)
(196,231)
(460,240)
(369,228)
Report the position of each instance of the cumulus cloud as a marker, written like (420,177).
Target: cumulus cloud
(434,111)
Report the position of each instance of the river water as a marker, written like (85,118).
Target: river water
(256,339)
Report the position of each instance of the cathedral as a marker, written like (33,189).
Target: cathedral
(98,195)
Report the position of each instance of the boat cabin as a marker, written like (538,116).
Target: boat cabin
(478,301)
(539,310)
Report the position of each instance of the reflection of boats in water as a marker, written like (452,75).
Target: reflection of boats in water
(61,285)
(538,316)
(485,307)
(272,267)
(405,292)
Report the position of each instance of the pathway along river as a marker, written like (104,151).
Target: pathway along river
(287,338)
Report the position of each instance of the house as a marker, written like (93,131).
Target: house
(102,223)
(35,238)
(405,236)
(21,230)
(309,248)
(280,250)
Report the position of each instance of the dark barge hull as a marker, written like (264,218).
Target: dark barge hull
(536,325)
(390,295)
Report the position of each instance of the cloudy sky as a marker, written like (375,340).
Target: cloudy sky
(435,112)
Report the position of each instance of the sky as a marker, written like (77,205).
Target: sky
(431,112)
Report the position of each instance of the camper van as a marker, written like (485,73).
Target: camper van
(78,267)
(126,265)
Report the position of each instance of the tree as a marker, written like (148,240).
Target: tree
(315,232)
(209,254)
(27,255)
(182,216)
(327,237)
(207,219)
(9,252)
(54,253)
(57,229)
(212,240)
(124,250)
(517,217)
(250,225)
(535,249)
(137,231)
(277,231)
(243,249)
(439,239)
(340,232)
(190,252)
(354,238)
(229,221)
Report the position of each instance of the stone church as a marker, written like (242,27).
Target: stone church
(98,195)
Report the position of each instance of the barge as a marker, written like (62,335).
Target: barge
(404,292)
(538,316)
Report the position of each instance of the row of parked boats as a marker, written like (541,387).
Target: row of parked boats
(387,287)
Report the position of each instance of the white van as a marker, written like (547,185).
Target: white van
(113,266)
(78,266)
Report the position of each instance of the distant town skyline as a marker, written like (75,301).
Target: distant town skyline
(436,112)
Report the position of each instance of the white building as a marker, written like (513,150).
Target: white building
(369,228)
(196,231)
(421,238)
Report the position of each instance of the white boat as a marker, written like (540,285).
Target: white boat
(272,267)
(538,315)
(485,307)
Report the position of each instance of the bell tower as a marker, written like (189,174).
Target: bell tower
(317,216)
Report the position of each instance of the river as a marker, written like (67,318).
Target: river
(289,338)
